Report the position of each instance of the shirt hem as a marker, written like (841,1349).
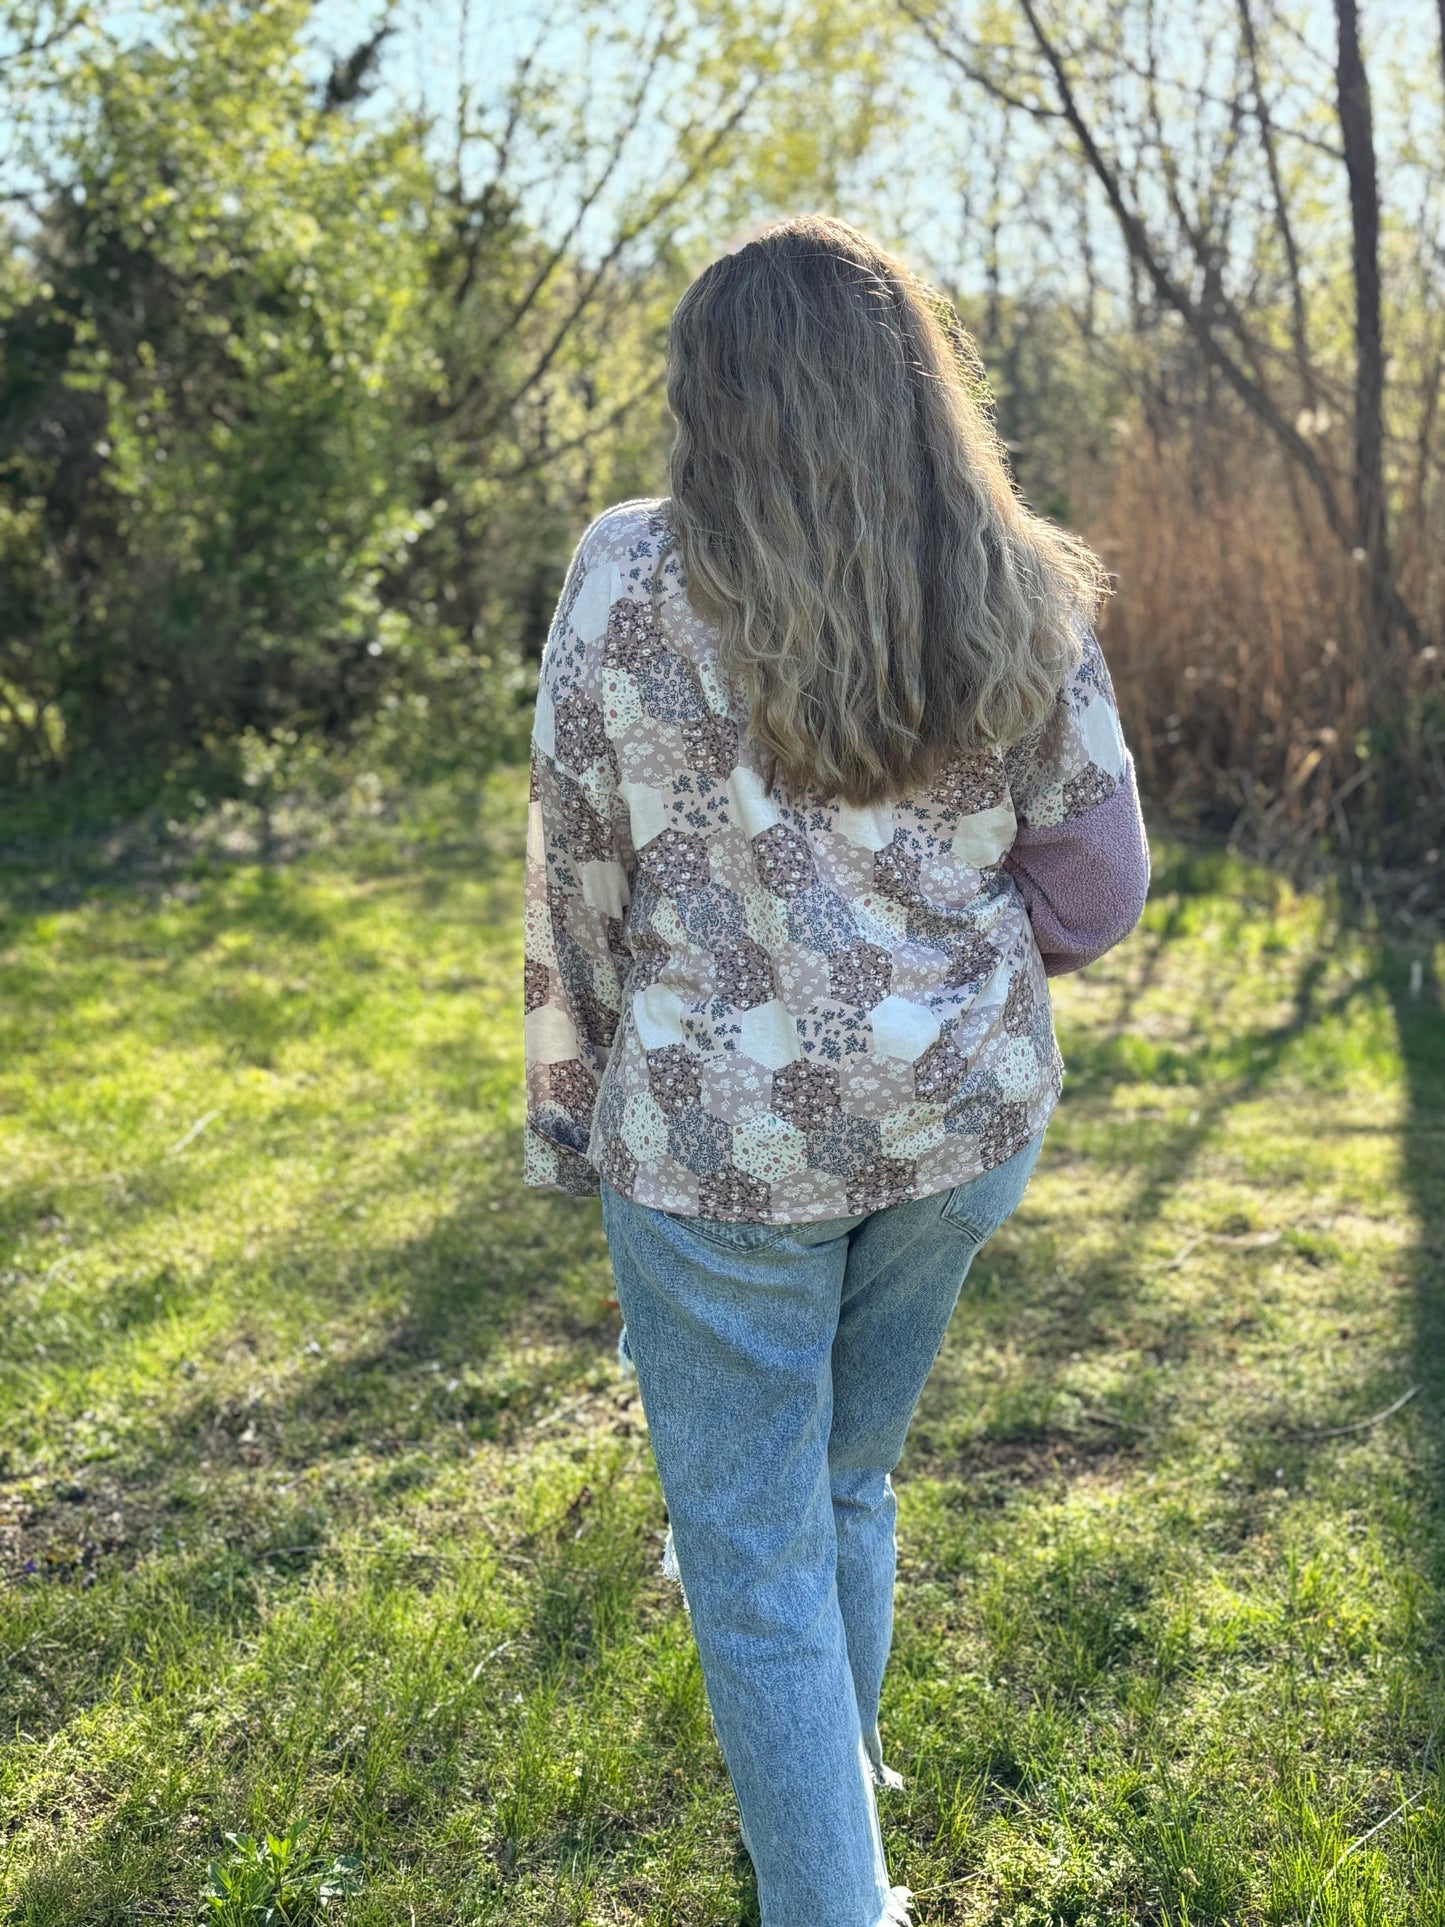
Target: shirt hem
(550,1166)
(987,1159)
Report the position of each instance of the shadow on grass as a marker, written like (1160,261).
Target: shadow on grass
(507,1276)
(500,1316)
(1219,1077)
(526,1283)
(1418,1003)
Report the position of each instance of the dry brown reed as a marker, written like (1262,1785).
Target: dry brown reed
(1249,690)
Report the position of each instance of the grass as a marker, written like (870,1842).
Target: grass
(323,1508)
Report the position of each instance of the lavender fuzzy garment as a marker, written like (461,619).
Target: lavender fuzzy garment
(1084,882)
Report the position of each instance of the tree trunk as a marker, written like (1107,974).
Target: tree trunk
(1371,529)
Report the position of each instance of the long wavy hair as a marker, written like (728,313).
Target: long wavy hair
(845,517)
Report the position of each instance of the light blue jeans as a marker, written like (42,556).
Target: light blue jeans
(779,1367)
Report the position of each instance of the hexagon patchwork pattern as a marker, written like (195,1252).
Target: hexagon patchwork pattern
(861,974)
(755,1007)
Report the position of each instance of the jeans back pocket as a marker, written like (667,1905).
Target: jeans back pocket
(731,1235)
(978,1208)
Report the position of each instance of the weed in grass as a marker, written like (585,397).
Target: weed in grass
(274,1881)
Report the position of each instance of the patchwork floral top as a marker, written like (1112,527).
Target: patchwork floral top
(743,1009)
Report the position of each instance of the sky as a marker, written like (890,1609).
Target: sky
(926,180)
(912,188)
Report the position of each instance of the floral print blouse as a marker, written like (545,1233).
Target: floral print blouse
(740,1008)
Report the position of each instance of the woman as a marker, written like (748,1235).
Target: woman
(827,779)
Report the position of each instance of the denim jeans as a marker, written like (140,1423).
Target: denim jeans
(779,1367)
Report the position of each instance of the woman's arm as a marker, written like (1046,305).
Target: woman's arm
(1084,882)
(579,865)
(1081,856)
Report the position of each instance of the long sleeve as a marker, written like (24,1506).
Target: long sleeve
(578,885)
(1080,859)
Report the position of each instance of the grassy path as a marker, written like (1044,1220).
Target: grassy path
(321,1501)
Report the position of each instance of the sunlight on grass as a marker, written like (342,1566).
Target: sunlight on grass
(323,1503)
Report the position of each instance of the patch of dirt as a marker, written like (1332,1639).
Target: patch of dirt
(65,1528)
(995,1467)
(69,1527)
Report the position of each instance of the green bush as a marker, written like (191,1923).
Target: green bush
(211,355)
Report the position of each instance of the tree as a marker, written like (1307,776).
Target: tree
(301,409)
(1269,289)
(1033,74)
(207,367)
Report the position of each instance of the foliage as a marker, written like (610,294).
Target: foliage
(310,374)
(274,1881)
(206,372)
(1226,217)
(302,407)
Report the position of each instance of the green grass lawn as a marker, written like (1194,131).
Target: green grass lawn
(322,1502)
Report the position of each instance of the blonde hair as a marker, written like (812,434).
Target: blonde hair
(845,516)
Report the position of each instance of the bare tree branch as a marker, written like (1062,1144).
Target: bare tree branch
(614,415)
(1299,323)
(962,54)
(483,210)
(1136,238)
(628,233)
(1206,96)
(631,120)
(38,40)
